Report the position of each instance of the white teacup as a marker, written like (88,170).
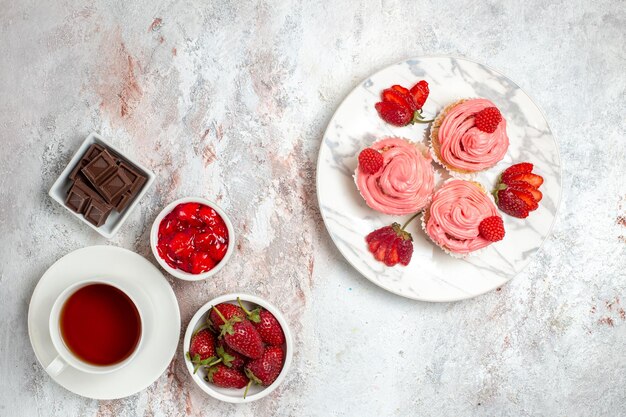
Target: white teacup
(65,357)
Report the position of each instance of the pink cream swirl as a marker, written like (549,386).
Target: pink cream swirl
(457,209)
(404,184)
(463,146)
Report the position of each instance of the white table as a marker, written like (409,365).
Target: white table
(229,101)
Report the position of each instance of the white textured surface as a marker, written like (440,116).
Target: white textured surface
(228,100)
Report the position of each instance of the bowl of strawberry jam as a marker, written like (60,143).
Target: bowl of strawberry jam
(192,238)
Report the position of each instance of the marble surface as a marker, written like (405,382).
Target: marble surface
(229,100)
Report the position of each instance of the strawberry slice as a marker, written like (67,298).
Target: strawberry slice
(520,168)
(420,92)
(400,89)
(533,179)
(402,99)
(526,197)
(524,186)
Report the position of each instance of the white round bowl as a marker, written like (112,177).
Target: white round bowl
(179,273)
(231,395)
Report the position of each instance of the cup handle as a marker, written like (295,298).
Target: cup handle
(56,366)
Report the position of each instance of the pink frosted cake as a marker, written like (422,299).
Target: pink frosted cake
(460,145)
(456,211)
(404,183)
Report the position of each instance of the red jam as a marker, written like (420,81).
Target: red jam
(193,238)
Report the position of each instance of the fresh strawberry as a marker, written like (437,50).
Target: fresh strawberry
(511,204)
(229,357)
(419,92)
(227,311)
(492,228)
(488,119)
(532,179)
(265,370)
(226,377)
(522,185)
(402,99)
(391,244)
(266,324)
(241,336)
(520,168)
(202,349)
(393,113)
(370,161)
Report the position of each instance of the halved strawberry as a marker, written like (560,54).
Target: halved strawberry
(533,179)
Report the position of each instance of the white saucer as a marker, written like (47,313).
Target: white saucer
(150,290)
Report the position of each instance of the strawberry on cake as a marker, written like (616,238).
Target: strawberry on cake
(469,136)
(395,177)
(462,218)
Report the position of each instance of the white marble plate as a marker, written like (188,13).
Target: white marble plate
(147,286)
(433,275)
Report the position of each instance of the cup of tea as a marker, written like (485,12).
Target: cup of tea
(95,326)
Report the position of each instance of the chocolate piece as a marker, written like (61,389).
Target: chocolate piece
(99,168)
(114,186)
(122,201)
(135,176)
(93,151)
(77,169)
(97,212)
(77,199)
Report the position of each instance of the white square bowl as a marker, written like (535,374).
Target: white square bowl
(59,189)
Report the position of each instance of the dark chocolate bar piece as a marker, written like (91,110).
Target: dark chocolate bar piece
(77,199)
(93,151)
(114,186)
(122,201)
(97,212)
(99,168)
(135,176)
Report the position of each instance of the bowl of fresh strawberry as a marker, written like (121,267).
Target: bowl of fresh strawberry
(238,348)
(192,238)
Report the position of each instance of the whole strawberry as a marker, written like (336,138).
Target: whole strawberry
(391,244)
(241,336)
(265,370)
(202,349)
(226,377)
(229,357)
(266,324)
(226,310)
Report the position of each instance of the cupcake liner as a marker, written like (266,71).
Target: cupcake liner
(433,144)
